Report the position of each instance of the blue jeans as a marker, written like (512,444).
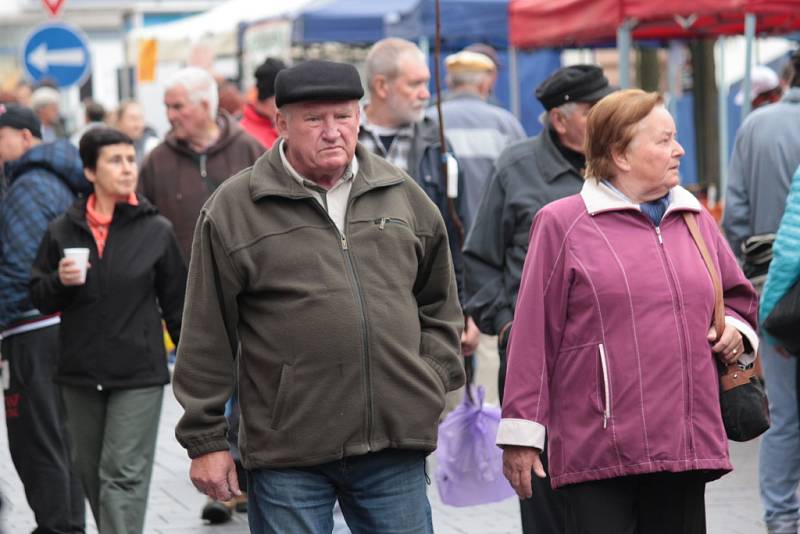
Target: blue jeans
(378,492)
(779,455)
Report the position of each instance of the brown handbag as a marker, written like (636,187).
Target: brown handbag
(743,400)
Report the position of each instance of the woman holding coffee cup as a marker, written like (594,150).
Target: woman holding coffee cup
(112,368)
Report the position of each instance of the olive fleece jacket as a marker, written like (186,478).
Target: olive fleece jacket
(343,343)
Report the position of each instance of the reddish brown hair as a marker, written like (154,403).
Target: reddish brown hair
(611,125)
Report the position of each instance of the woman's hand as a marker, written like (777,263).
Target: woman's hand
(730,346)
(518,462)
(69,274)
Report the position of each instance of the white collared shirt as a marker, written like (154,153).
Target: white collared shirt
(333,200)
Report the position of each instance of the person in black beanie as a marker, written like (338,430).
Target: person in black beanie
(258,118)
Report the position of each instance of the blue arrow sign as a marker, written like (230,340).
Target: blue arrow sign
(56,51)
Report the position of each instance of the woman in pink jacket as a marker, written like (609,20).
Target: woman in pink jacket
(611,353)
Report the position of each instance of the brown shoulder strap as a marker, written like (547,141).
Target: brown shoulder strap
(733,376)
(719,306)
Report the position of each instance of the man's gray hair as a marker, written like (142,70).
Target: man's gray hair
(566,109)
(384,58)
(460,79)
(43,96)
(200,87)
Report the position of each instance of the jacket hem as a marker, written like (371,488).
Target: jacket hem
(722,465)
(264,461)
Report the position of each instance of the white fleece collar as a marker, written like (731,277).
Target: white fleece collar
(600,198)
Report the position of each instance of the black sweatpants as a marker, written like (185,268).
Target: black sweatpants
(37,436)
(658,503)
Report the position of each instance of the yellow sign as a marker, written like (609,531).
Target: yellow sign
(148,55)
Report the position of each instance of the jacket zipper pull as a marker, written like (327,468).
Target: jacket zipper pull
(383,223)
(344,242)
(203,171)
(658,233)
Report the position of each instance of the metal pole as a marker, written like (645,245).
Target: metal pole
(674,62)
(513,82)
(749,35)
(624,49)
(722,117)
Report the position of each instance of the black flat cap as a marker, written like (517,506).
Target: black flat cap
(317,80)
(576,83)
(265,77)
(21,118)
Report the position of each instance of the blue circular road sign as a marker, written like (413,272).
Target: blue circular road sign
(56,51)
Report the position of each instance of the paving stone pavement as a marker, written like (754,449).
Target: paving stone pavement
(174,505)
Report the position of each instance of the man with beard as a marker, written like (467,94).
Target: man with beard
(395,127)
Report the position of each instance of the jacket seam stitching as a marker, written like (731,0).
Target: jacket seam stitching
(635,330)
(603,335)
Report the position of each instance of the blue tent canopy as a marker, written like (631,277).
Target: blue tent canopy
(463,22)
(349,21)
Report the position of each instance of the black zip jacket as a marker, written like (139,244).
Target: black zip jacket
(111,336)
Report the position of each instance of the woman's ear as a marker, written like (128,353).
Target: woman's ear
(620,159)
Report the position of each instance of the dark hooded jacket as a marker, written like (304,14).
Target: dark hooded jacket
(111,335)
(179,180)
(42,184)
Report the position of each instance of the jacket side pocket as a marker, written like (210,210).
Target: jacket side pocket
(606,393)
(284,386)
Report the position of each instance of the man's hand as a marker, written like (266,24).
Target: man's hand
(518,462)
(730,346)
(470,338)
(215,475)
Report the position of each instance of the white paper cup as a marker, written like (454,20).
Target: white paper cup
(81,258)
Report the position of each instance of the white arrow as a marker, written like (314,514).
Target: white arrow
(41,57)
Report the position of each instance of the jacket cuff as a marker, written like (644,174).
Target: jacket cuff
(747,331)
(520,432)
(503,316)
(206,447)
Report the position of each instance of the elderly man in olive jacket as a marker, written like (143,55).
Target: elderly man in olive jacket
(323,276)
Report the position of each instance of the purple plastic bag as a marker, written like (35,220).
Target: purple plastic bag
(469,466)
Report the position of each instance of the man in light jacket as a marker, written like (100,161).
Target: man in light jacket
(322,277)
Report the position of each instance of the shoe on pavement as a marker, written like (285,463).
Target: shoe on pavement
(216,512)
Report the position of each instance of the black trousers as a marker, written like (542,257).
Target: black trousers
(658,503)
(37,435)
(545,512)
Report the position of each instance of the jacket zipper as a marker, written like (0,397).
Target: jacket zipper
(367,382)
(687,388)
(607,405)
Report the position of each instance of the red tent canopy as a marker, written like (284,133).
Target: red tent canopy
(558,23)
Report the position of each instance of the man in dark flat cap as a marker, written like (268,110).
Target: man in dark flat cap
(528,175)
(321,277)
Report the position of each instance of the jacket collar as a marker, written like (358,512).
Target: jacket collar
(599,198)
(270,178)
(551,163)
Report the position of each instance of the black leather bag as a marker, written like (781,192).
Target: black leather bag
(742,398)
(783,322)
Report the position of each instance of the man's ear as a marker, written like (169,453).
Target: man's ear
(282,123)
(556,119)
(27,138)
(380,86)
